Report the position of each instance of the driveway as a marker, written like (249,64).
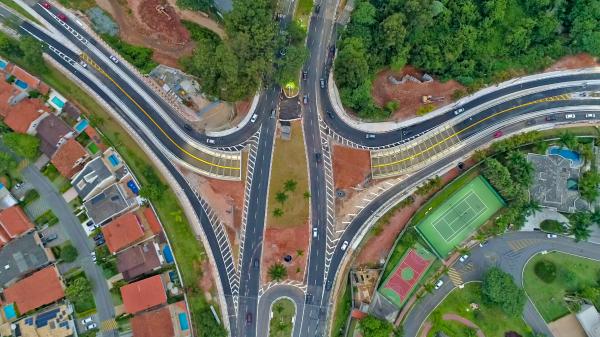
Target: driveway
(71,227)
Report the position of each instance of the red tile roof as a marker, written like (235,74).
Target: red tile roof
(122,232)
(69,157)
(32,81)
(156,323)
(152,220)
(19,117)
(6,92)
(144,294)
(13,222)
(41,288)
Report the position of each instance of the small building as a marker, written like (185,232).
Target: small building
(143,295)
(152,220)
(169,321)
(53,132)
(26,116)
(53,322)
(108,204)
(21,256)
(7,95)
(39,289)
(93,178)
(6,199)
(138,260)
(25,80)
(69,158)
(589,319)
(122,232)
(13,223)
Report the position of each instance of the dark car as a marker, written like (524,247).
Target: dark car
(330,114)
(256,263)
(317,9)
(328,285)
(322,81)
(550,118)
(100,242)
(248,318)
(305,99)
(530,122)
(318,157)
(49,238)
(304,75)
(308,299)
(187,127)
(99,236)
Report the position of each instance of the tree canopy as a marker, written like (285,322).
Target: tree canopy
(499,289)
(374,327)
(23,145)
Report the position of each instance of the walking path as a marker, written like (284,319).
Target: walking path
(464,321)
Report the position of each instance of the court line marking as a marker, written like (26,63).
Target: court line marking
(469,194)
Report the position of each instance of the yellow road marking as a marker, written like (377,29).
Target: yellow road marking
(108,325)
(553,98)
(90,61)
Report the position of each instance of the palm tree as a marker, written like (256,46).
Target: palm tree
(278,308)
(277,272)
(568,140)
(580,231)
(290,185)
(541,147)
(277,212)
(531,207)
(281,197)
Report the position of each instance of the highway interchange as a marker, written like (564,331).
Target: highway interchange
(160,127)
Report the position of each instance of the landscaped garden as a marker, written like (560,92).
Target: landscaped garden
(283,312)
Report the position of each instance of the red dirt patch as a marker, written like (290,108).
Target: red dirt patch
(378,247)
(207,282)
(279,242)
(350,166)
(162,19)
(409,94)
(574,62)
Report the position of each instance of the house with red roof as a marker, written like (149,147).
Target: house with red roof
(69,158)
(123,232)
(168,321)
(143,295)
(13,223)
(25,80)
(40,288)
(25,116)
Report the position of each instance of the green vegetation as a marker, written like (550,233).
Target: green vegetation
(19,9)
(552,226)
(429,186)
(140,57)
(406,241)
(232,69)
(23,145)
(588,185)
(50,172)
(491,319)
(580,223)
(106,261)
(82,5)
(342,312)
(281,323)
(499,289)
(47,217)
(372,326)
(26,51)
(303,10)
(199,33)
(197,5)
(7,163)
(277,272)
(30,196)
(68,253)
(474,42)
(79,292)
(545,270)
(575,277)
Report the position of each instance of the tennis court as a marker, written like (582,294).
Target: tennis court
(463,212)
(410,270)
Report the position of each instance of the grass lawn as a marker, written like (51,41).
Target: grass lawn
(572,273)
(492,321)
(289,162)
(93,148)
(303,11)
(81,5)
(342,312)
(13,5)
(50,172)
(47,217)
(281,323)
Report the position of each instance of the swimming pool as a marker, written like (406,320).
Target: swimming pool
(58,102)
(567,154)
(79,127)
(114,161)
(168,254)
(183,322)
(10,312)
(21,84)
(3,64)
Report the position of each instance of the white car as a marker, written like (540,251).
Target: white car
(464,258)
(94,257)
(458,111)
(92,326)
(254,118)
(551,236)
(590,115)
(86,321)
(344,245)
(83,64)
(569,116)
(114,59)
(438,284)
(370,136)
(210,140)
(314,232)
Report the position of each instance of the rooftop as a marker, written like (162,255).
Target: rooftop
(32,81)
(122,232)
(6,92)
(138,260)
(589,319)
(13,222)
(144,294)
(155,323)
(21,256)
(41,288)
(152,220)
(68,159)
(53,322)
(20,116)
(51,130)
(94,176)
(107,204)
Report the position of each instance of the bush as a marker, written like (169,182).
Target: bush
(545,270)
(23,145)
(68,253)
(552,226)
(140,57)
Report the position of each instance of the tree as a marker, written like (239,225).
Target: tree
(531,207)
(23,145)
(7,163)
(79,289)
(520,169)
(277,212)
(499,289)
(68,253)
(372,326)
(568,140)
(277,272)
(281,197)
(290,185)
(306,195)
(579,225)
(588,185)
(32,55)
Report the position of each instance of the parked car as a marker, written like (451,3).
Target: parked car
(551,236)
(328,285)
(439,284)
(317,9)
(86,320)
(256,263)
(498,134)
(370,136)
(530,122)
(187,127)
(49,238)
(210,140)
(344,245)
(62,17)
(569,116)
(83,64)
(46,5)
(483,243)
(322,81)
(93,254)
(92,326)
(273,113)
(314,232)
(550,118)
(113,58)
(464,258)
(100,242)
(98,236)
(305,99)
(304,75)
(254,118)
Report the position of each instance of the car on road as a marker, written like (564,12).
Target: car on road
(569,116)
(550,118)
(344,245)
(590,115)
(328,285)
(498,134)
(91,326)
(458,111)
(86,320)
(314,232)
(304,75)
(210,140)
(93,254)
(308,299)
(530,122)
(318,157)
(273,113)
(46,5)
(439,284)
(464,258)
(551,236)
(248,317)
(483,243)
(253,118)
(256,263)
(322,82)
(83,64)
(330,114)
(113,58)
(370,136)
(62,17)
(317,9)
(305,99)
(406,132)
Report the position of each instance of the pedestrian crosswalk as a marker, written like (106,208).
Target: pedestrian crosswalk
(455,277)
(108,325)
(517,245)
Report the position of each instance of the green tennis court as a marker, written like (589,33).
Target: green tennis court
(463,212)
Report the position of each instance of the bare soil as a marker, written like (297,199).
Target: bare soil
(351,167)
(198,17)
(574,62)
(207,282)
(285,241)
(409,94)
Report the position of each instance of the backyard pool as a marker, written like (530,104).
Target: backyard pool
(183,322)
(58,102)
(567,154)
(21,84)
(82,125)
(3,64)
(10,312)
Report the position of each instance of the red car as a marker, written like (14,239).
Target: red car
(498,134)
(62,17)
(46,5)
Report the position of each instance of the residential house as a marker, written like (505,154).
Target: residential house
(26,116)
(108,204)
(26,81)
(7,93)
(21,256)
(69,158)
(93,178)
(122,232)
(143,295)
(39,289)
(152,220)
(53,132)
(52,322)
(13,223)
(6,199)
(138,260)
(168,321)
